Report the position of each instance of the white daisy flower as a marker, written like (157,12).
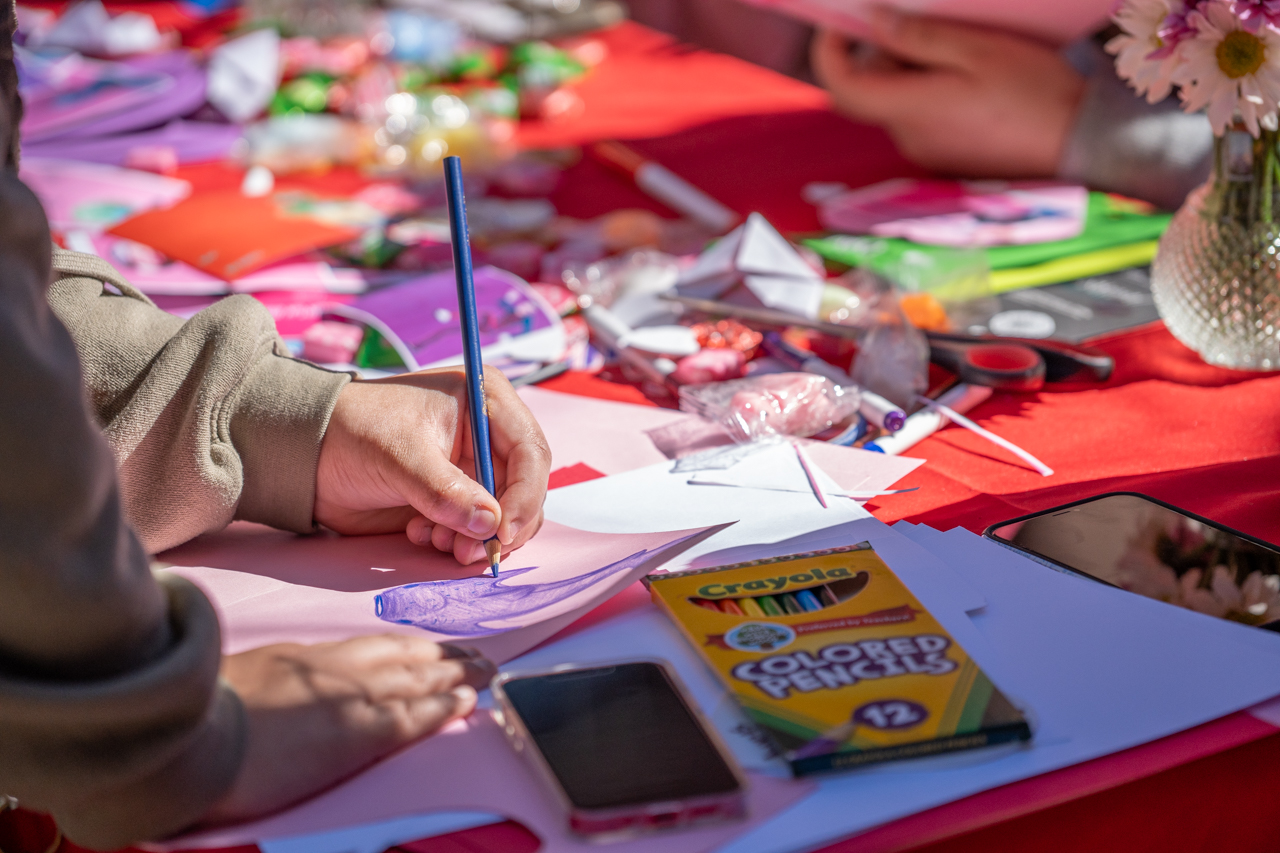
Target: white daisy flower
(1229,69)
(1149,74)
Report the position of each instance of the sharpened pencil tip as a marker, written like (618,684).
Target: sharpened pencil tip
(494,549)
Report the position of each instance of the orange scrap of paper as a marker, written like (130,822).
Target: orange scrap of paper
(228,234)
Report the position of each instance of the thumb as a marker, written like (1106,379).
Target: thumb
(446,496)
(932,42)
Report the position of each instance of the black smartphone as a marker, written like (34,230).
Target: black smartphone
(621,746)
(1149,547)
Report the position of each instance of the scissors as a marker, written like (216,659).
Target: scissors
(1016,364)
(1010,364)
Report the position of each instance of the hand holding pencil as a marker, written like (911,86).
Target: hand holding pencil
(398,456)
(451,456)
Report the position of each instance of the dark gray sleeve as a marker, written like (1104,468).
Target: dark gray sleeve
(112,717)
(1122,144)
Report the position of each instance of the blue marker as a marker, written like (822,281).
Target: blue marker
(477,408)
(808,600)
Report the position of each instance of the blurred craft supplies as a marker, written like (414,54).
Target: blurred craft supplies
(756,259)
(1072,311)
(469,320)
(1070,360)
(925,422)
(418,319)
(1118,233)
(961,214)
(873,407)
(667,187)
(102,111)
(92,197)
(1057,23)
(66,94)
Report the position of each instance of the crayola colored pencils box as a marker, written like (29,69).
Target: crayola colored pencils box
(836,660)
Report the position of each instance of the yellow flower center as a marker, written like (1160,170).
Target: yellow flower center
(1240,53)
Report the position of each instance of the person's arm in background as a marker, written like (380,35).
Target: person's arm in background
(1121,143)
(978,103)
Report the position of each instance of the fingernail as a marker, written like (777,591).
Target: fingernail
(482,523)
(465,694)
(424,535)
(451,651)
(513,530)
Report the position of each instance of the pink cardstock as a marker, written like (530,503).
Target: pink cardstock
(470,767)
(270,586)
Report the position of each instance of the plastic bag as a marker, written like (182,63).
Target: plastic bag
(773,405)
(893,357)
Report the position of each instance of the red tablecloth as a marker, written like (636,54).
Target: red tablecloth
(1165,424)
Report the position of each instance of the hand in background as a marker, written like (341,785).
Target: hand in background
(318,714)
(956,98)
(397,456)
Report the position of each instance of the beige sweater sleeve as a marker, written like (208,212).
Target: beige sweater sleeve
(209,418)
(112,717)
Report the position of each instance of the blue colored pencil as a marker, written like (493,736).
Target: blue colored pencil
(808,600)
(476,406)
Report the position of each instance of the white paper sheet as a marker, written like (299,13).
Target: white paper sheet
(654,498)
(768,523)
(1100,669)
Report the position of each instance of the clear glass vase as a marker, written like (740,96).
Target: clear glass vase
(1216,276)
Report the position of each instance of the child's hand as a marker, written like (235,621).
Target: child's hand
(956,98)
(397,456)
(318,714)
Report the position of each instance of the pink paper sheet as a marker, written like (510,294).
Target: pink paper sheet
(470,767)
(272,587)
(92,196)
(608,436)
(616,439)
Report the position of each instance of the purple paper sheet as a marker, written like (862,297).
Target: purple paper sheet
(193,141)
(423,312)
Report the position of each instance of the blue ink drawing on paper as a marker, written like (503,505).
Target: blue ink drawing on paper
(468,607)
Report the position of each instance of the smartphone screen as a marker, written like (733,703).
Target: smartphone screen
(1144,546)
(619,735)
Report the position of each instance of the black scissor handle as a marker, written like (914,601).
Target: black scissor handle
(995,364)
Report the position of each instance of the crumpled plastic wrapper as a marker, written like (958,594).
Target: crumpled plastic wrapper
(772,406)
(893,356)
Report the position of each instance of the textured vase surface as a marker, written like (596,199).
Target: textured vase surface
(1216,276)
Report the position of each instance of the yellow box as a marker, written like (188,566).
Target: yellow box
(836,660)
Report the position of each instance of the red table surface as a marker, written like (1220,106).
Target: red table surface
(1166,424)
